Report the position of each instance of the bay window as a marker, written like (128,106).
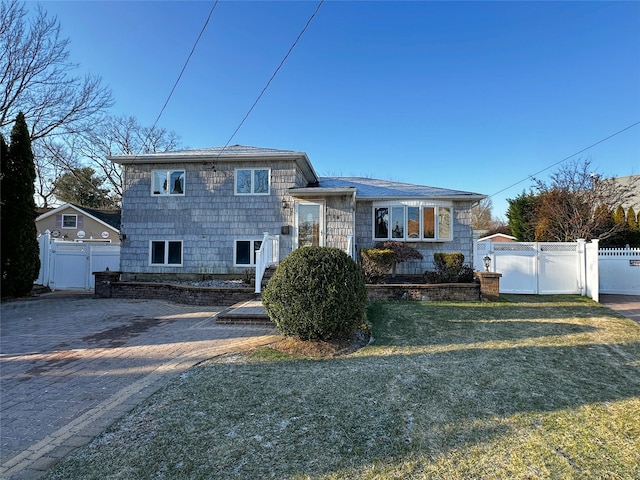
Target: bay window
(412,223)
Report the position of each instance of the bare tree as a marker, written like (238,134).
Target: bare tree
(37,78)
(578,203)
(122,135)
(481,215)
(51,157)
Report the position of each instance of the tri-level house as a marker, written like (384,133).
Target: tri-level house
(221,211)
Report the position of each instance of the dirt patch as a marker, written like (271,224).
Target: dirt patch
(320,349)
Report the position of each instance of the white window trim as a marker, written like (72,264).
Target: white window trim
(168,173)
(63,226)
(450,237)
(322,222)
(253,182)
(166,254)
(405,238)
(251,251)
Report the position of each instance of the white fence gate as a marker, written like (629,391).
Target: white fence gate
(70,265)
(562,268)
(535,267)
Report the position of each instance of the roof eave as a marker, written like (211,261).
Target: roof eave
(300,158)
(470,198)
(308,192)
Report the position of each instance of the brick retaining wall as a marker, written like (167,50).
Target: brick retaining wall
(108,285)
(465,292)
(190,295)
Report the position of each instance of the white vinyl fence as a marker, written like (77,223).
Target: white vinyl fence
(562,268)
(536,267)
(619,270)
(70,265)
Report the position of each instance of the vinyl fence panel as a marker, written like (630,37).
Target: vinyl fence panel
(619,270)
(70,265)
(559,269)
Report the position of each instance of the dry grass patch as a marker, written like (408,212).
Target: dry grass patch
(531,388)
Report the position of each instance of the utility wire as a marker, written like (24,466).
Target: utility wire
(175,85)
(304,29)
(567,158)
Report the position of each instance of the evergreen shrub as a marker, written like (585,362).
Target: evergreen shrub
(376,263)
(316,293)
(450,268)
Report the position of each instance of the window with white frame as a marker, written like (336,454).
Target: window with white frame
(412,223)
(166,252)
(252,181)
(245,252)
(167,182)
(69,221)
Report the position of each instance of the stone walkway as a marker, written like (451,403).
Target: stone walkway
(627,305)
(72,364)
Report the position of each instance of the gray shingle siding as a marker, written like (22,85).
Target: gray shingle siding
(209,218)
(462,238)
(339,217)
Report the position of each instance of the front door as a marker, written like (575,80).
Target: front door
(309,224)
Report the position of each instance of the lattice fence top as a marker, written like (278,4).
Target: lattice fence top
(619,252)
(558,247)
(514,247)
(75,247)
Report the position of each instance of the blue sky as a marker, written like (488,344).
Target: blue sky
(473,96)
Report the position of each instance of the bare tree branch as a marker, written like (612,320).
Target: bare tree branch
(37,77)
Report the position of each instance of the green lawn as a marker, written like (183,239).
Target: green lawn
(528,388)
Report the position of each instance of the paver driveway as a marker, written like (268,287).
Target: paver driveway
(71,364)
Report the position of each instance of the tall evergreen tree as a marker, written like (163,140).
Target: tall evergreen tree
(20,250)
(522,216)
(633,236)
(83,187)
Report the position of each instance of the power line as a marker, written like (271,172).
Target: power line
(304,29)
(566,158)
(184,67)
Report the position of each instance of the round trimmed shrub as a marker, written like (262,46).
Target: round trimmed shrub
(316,293)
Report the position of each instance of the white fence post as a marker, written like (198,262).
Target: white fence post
(581,262)
(592,270)
(44,244)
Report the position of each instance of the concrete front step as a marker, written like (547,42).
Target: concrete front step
(244,313)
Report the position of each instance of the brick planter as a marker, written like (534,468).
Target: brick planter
(465,292)
(103,281)
(489,286)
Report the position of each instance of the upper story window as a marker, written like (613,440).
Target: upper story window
(69,221)
(412,223)
(167,182)
(252,181)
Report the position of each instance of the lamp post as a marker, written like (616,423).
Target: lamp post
(487,262)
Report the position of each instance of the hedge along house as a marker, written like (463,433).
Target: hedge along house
(208,212)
